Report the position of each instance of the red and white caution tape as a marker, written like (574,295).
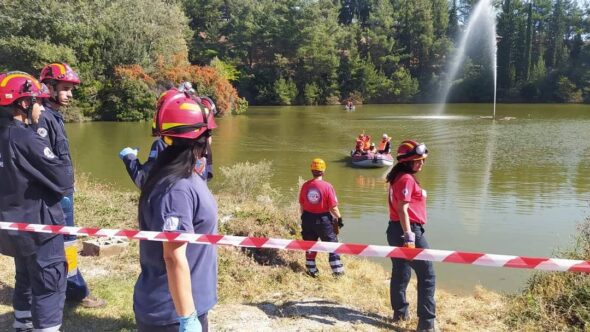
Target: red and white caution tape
(355,249)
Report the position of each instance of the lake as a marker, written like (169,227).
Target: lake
(517,185)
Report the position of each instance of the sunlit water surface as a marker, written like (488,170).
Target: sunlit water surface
(517,185)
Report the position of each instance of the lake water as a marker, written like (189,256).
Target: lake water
(517,185)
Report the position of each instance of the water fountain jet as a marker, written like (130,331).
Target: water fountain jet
(482,16)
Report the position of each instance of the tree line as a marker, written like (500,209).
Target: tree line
(286,52)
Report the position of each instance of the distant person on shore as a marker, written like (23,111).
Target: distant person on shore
(178,282)
(320,217)
(407,217)
(138,171)
(385,145)
(34,180)
(61,80)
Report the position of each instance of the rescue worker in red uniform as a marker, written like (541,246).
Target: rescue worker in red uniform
(407,217)
(34,180)
(319,207)
(61,80)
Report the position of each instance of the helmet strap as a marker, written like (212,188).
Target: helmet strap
(54,93)
(28,111)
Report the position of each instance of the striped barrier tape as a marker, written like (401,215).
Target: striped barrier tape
(355,249)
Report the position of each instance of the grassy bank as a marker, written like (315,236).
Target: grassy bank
(249,206)
(556,301)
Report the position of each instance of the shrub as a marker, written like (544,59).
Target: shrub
(128,100)
(248,181)
(556,301)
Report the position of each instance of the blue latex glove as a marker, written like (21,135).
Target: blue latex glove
(190,323)
(126,151)
(410,239)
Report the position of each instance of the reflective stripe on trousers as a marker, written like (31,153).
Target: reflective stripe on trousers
(319,226)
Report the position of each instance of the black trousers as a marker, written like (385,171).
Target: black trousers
(401,273)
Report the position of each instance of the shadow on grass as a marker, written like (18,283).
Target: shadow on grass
(326,313)
(74,318)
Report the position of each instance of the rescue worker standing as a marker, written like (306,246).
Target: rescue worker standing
(34,181)
(138,171)
(407,215)
(178,281)
(61,81)
(320,217)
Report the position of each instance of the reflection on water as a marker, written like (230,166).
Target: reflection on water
(515,187)
(427,117)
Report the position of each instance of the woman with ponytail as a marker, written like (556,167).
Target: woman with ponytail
(407,217)
(178,281)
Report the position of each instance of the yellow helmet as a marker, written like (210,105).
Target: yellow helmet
(318,165)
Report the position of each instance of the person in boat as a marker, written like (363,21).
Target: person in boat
(371,149)
(178,281)
(366,143)
(320,217)
(349,105)
(385,145)
(407,218)
(358,148)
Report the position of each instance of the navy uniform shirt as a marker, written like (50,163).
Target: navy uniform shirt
(185,206)
(138,171)
(34,181)
(51,127)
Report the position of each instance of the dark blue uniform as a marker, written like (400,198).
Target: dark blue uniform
(184,206)
(51,127)
(138,171)
(34,181)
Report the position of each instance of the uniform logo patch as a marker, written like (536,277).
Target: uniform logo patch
(405,191)
(171,223)
(48,153)
(8,96)
(42,132)
(313,196)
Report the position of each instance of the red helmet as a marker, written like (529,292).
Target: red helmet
(208,102)
(179,115)
(17,84)
(411,150)
(59,72)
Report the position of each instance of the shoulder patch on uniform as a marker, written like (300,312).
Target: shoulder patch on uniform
(42,132)
(171,224)
(48,153)
(405,191)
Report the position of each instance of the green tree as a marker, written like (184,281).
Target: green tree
(285,91)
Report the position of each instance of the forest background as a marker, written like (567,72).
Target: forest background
(293,52)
